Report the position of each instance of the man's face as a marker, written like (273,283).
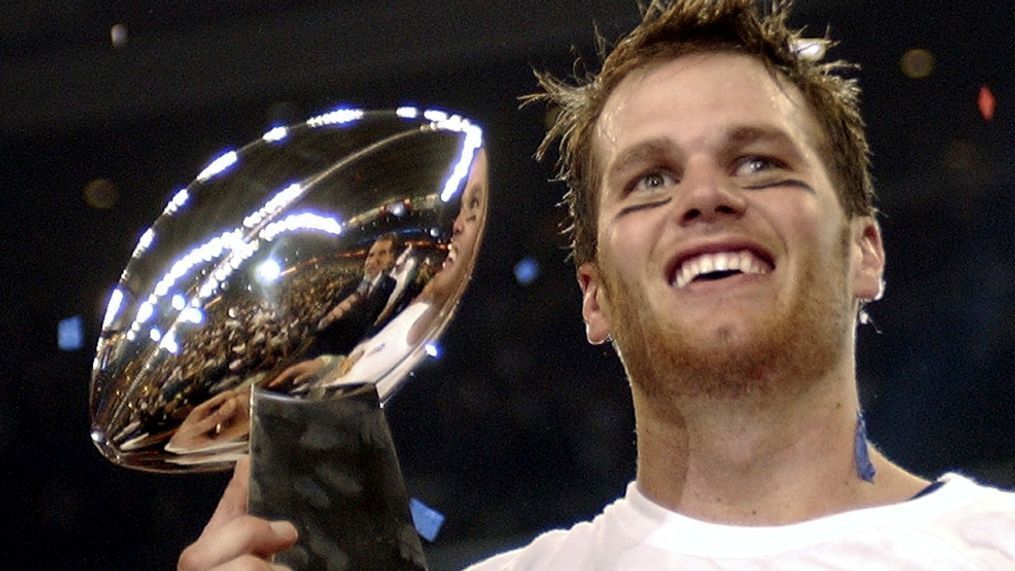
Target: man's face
(466,232)
(724,259)
(380,258)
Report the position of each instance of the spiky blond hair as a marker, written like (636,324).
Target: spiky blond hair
(670,29)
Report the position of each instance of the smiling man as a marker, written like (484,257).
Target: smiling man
(725,237)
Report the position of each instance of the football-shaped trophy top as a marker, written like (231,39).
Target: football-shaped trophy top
(317,258)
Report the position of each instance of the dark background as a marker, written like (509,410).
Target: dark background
(520,425)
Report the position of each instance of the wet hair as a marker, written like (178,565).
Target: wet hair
(670,29)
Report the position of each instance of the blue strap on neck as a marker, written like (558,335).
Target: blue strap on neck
(864,468)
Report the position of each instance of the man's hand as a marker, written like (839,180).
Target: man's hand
(297,374)
(223,418)
(235,540)
(339,311)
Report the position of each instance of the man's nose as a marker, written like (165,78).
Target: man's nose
(708,194)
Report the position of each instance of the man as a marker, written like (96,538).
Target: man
(725,240)
(353,317)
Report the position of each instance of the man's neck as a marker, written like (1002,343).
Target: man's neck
(761,460)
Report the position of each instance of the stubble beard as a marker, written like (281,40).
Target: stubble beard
(788,349)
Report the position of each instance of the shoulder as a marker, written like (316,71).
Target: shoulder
(974,519)
(589,544)
(964,492)
(543,552)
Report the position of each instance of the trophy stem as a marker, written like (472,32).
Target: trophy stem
(329,466)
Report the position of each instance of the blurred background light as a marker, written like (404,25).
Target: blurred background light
(70,334)
(917,63)
(526,270)
(118,35)
(101,193)
(986,102)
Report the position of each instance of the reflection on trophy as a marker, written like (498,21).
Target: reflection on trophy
(278,302)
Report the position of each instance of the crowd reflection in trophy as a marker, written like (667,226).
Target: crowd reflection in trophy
(363,331)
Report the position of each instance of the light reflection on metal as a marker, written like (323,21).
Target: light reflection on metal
(169,343)
(302,221)
(274,205)
(336,117)
(113,307)
(144,242)
(192,315)
(407,112)
(145,312)
(230,286)
(269,271)
(275,134)
(220,164)
(177,202)
(473,141)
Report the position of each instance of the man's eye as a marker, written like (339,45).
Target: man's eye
(753,165)
(653,181)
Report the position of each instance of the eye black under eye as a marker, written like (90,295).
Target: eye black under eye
(642,206)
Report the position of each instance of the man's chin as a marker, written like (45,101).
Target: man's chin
(723,360)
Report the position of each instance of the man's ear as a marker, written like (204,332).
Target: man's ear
(597,323)
(868,259)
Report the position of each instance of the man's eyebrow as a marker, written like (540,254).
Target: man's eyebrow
(741,135)
(644,151)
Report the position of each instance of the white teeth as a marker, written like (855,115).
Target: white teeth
(686,273)
(743,261)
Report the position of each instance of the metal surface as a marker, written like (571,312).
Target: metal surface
(322,255)
(330,467)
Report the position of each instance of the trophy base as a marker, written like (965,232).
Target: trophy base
(329,466)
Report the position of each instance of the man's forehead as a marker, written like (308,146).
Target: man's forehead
(382,245)
(634,97)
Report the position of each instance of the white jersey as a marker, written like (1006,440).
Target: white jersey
(960,525)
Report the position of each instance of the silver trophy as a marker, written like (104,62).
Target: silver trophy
(275,306)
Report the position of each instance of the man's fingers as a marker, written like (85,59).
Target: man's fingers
(281,379)
(221,415)
(238,539)
(232,537)
(234,499)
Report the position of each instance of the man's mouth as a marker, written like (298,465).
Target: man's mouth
(718,265)
(452,255)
